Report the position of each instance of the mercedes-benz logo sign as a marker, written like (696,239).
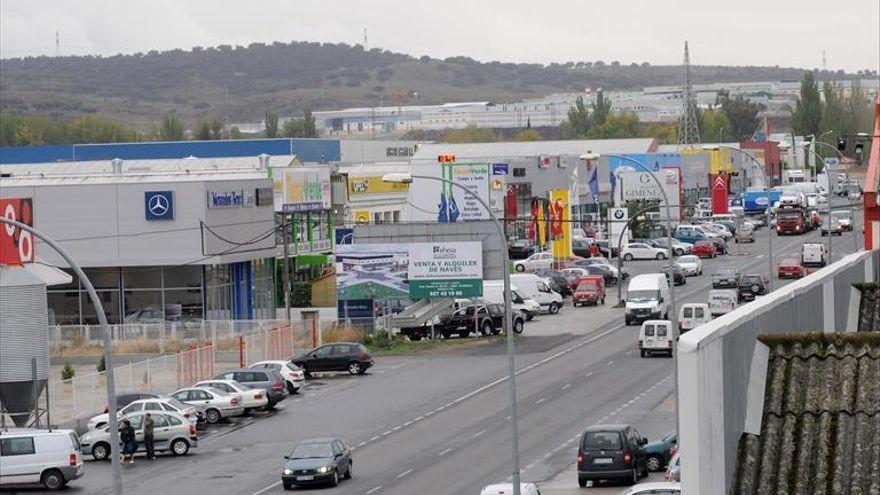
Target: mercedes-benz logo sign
(158,205)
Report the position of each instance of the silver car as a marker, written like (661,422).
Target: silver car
(171,433)
(251,398)
(213,404)
(149,405)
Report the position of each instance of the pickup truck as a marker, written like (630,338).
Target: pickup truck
(487,319)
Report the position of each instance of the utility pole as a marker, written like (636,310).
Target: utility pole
(57,44)
(688,132)
(285,275)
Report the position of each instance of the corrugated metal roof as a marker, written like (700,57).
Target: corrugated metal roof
(820,429)
(535,148)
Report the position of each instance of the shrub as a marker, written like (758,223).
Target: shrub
(102,366)
(67,372)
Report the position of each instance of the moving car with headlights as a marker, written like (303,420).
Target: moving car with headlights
(750,287)
(691,264)
(251,398)
(641,251)
(293,375)
(790,268)
(655,336)
(692,315)
(722,301)
(317,461)
(647,298)
(172,433)
(589,290)
(338,356)
(149,405)
(611,452)
(268,380)
(213,404)
(725,278)
(51,458)
(705,249)
(534,262)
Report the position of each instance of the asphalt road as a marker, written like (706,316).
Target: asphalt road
(439,424)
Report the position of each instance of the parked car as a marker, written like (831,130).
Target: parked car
(678,248)
(603,267)
(559,281)
(213,404)
(691,264)
(654,488)
(607,250)
(507,489)
(679,277)
(639,251)
(725,278)
(534,287)
(720,244)
(339,356)
(534,262)
(692,315)
(520,249)
(126,399)
(158,404)
(673,470)
(294,376)
(251,398)
(751,286)
(590,290)
(790,268)
(720,229)
(488,319)
(171,433)
(269,381)
(658,452)
(655,336)
(611,452)
(317,461)
(705,249)
(51,458)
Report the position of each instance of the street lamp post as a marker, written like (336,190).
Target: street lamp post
(671,268)
(105,330)
(403,178)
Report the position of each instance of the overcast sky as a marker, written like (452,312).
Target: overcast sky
(743,32)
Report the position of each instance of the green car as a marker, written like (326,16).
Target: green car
(658,452)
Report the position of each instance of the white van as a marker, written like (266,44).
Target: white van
(51,458)
(722,301)
(647,298)
(507,489)
(724,217)
(655,336)
(534,287)
(691,315)
(493,292)
(813,254)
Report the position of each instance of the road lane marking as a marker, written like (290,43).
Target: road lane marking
(567,385)
(401,475)
(370,491)
(264,490)
(478,434)
(609,363)
(444,452)
(542,399)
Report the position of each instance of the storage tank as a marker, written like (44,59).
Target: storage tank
(24,335)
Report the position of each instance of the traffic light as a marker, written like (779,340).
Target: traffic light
(446,158)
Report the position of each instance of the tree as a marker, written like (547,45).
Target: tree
(742,115)
(860,109)
(171,129)
(807,115)
(578,123)
(471,134)
(601,109)
(235,133)
(209,130)
(271,125)
(834,111)
(301,128)
(714,124)
(620,126)
(664,133)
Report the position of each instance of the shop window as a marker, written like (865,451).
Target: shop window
(144,306)
(519,172)
(63,307)
(142,277)
(183,305)
(182,276)
(396,217)
(218,295)
(103,278)
(110,302)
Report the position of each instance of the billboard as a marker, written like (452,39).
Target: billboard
(302,189)
(560,223)
(16,245)
(373,185)
(617,220)
(438,201)
(445,269)
(372,271)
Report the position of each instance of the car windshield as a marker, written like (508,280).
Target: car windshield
(725,273)
(311,451)
(749,280)
(687,259)
(642,295)
(586,286)
(602,440)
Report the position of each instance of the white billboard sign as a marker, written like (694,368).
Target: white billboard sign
(445,269)
(439,201)
(617,219)
(636,185)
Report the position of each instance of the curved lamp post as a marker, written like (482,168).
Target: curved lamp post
(105,330)
(620,248)
(760,167)
(404,178)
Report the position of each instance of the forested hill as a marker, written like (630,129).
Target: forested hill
(244,82)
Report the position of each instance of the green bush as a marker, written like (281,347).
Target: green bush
(102,366)
(67,372)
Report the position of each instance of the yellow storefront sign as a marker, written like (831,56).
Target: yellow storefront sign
(362,217)
(373,185)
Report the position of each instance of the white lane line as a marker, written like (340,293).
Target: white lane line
(386,433)
(373,439)
(361,444)
(401,475)
(264,490)
(567,385)
(587,374)
(373,490)
(542,399)
(628,353)
(444,452)
(478,434)
(609,363)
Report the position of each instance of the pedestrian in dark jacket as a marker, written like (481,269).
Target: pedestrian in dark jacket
(148,436)
(126,436)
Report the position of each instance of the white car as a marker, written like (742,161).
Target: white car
(293,375)
(692,265)
(251,398)
(507,489)
(161,404)
(721,230)
(51,458)
(213,404)
(537,261)
(656,487)
(640,251)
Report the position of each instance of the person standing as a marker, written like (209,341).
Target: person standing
(126,436)
(148,436)
(594,250)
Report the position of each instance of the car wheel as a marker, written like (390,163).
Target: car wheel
(355,368)
(212,416)
(415,337)
(679,252)
(464,334)
(554,308)
(179,447)
(287,486)
(348,472)
(520,268)
(517,326)
(446,334)
(574,303)
(635,477)
(582,482)
(628,321)
(661,256)
(603,301)
(100,451)
(487,328)
(628,257)
(654,463)
(334,481)
(52,479)
(643,352)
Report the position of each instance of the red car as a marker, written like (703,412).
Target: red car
(590,290)
(705,249)
(790,268)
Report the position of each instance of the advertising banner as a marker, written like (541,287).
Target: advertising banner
(304,189)
(560,223)
(371,271)
(16,245)
(445,269)
(373,185)
(719,187)
(617,219)
(437,201)
(641,186)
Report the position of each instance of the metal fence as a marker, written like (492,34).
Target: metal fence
(194,365)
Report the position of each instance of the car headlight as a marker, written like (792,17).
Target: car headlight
(324,469)
(287,471)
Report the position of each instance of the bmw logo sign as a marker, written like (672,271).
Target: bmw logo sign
(618,214)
